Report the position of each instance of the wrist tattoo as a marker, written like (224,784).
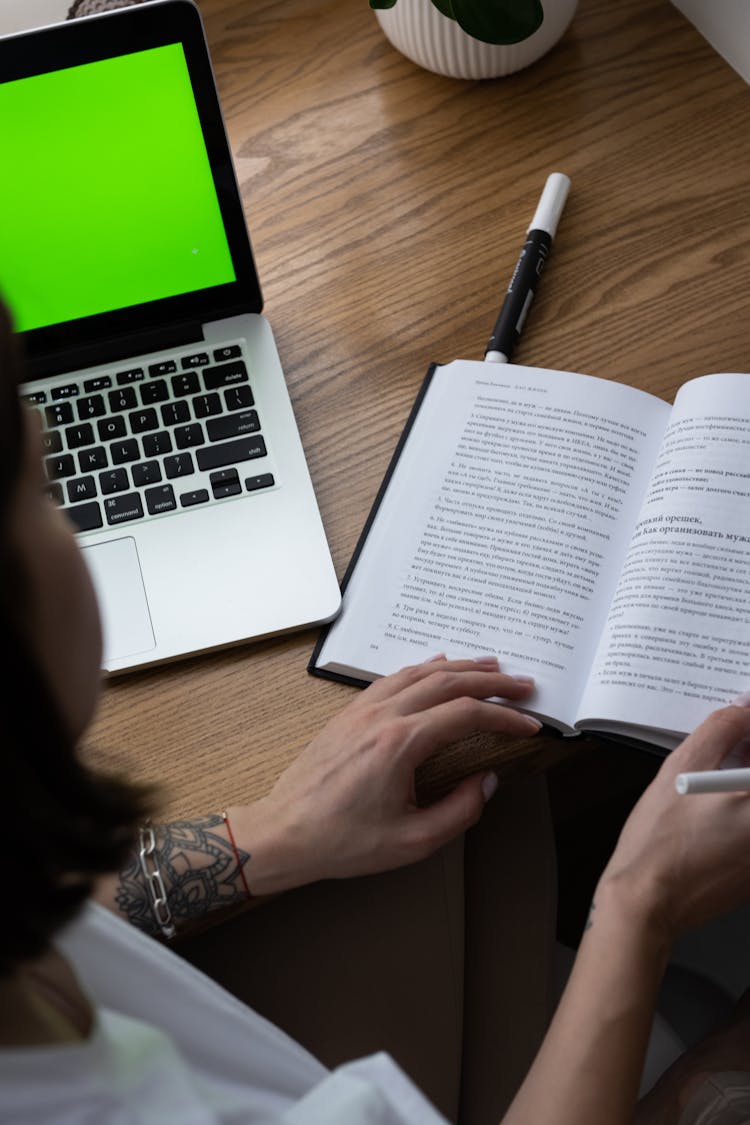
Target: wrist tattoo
(200,872)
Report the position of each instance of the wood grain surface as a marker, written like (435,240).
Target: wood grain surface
(386,206)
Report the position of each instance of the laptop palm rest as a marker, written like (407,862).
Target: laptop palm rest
(126,622)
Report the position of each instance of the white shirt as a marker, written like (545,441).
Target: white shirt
(170,1047)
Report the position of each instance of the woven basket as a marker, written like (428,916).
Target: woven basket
(94,7)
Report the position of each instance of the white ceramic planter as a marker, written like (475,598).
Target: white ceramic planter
(427,37)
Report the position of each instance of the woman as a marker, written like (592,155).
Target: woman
(96,1019)
(100,1023)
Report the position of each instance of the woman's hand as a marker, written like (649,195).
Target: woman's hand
(347,805)
(679,861)
(684,859)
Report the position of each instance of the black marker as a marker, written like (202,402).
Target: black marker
(523,284)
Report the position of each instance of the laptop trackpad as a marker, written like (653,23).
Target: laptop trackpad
(126,621)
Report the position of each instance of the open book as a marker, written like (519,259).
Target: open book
(587,533)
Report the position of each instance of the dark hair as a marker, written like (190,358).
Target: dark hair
(62,824)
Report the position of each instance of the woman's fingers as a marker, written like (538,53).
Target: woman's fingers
(445,685)
(388,686)
(457,718)
(710,743)
(445,700)
(434,826)
(425,685)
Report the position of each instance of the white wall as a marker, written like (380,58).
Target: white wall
(18,15)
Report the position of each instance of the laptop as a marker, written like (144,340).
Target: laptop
(170,440)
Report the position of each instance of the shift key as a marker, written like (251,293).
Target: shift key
(230,452)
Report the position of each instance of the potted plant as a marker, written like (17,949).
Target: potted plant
(473,38)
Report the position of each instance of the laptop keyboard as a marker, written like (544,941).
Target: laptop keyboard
(153,438)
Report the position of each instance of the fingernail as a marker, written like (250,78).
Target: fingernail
(489,785)
(534,723)
(524,679)
(487,660)
(437,656)
(742,700)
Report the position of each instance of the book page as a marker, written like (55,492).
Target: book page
(503,528)
(677,640)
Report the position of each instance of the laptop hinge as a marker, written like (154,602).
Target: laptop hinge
(114,349)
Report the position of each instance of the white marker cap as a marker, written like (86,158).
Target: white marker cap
(551,203)
(714,781)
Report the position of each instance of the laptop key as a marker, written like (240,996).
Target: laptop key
(71,390)
(204,405)
(123,399)
(82,488)
(135,375)
(91,407)
(238,397)
(199,359)
(158,391)
(198,496)
(55,492)
(166,367)
(99,383)
(85,517)
(51,441)
(35,398)
(58,467)
(232,425)
(116,480)
(155,445)
(90,459)
(230,452)
(143,420)
(121,509)
(187,436)
(225,482)
(172,413)
(76,436)
(160,499)
(59,414)
(123,451)
(225,374)
(186,384)
(181,465)
(149,472)
(231,351)
(110,428)
(265,480)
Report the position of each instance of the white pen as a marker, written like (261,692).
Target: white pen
(713,781)
(523,284)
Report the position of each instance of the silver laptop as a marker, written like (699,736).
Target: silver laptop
(125,259)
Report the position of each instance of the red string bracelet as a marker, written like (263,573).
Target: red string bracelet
(237,856)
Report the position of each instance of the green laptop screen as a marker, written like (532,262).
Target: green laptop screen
(106,197)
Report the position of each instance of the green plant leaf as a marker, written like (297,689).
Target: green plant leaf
(498,21)
(382,3)
(446,7)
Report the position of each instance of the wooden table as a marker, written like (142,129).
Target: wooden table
(387,206)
